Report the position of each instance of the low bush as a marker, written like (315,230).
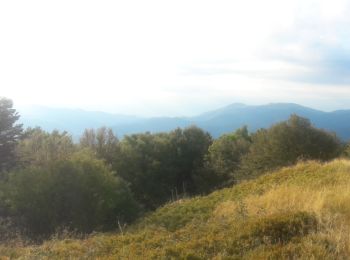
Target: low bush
(79,194)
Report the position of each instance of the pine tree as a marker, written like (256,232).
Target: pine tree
(10,133)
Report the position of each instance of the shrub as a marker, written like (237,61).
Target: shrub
(285,143)
(164,166)
(225,154)
(78,194)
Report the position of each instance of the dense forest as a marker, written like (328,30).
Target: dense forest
(50,184)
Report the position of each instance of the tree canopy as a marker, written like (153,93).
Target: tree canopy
(39,147)
(10,134)
(160,167)
(76,194)
(287,142)
(225,155)
(102,142)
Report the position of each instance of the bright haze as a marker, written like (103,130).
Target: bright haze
(173,58)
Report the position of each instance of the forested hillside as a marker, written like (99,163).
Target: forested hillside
(156,188)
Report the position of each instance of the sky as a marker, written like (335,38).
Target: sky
(174,58)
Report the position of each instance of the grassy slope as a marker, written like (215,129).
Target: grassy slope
(301,211)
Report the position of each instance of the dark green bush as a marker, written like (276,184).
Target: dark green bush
(287,142)
(78,194)
(225,154)
(164,166)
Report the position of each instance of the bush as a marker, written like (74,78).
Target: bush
(225,154)
(164,166)
(8,231)
(287,142)
(78,194)
(346,150)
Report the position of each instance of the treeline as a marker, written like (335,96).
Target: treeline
(49,183)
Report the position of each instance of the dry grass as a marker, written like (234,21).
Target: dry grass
(300,212)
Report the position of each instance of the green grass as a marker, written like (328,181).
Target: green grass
(296,212)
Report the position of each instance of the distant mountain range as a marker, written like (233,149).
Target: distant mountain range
(217,122)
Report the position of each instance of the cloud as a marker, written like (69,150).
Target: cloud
(159,57)
(318,44)
(314,48)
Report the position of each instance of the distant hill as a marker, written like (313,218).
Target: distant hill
(217,122)
(72,120)
(234,116)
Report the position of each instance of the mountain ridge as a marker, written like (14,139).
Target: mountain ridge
(217,122)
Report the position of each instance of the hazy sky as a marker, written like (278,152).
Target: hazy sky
(175,57)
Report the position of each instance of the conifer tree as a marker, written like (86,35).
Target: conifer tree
(10,133)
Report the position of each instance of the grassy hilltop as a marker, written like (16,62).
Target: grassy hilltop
(297,212)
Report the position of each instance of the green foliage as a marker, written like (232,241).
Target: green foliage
(287,142)
(40,148)
(188,149)
(102,142)
(346,150)
(10,134)
(141,163)
(78,194)
(8,230)
(160,167)
(225,154)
